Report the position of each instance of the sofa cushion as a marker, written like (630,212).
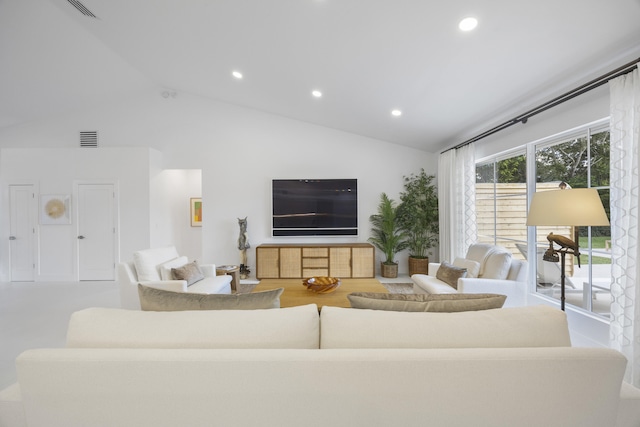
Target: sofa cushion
(154,299)
(294,327)
(426,302)
(190,272)
(165,268)
(473,267)
(479,252)
(211,285)
(147,262)
(450,274)
(629,407)
(431,285)
(541,387)
(497,265)
(532,326)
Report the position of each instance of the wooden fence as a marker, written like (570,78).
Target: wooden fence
(509,223)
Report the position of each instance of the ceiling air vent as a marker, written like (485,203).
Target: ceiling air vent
(89,139)
(81,8)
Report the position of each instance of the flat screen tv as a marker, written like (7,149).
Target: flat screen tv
(315,207)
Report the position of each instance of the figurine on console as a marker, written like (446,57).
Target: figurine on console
(243,245)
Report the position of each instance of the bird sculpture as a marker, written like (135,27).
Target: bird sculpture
(565,244)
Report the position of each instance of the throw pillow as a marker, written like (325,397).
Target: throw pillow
(497,266)
(450,274)
(189,272)
(154,299)
(165,268)
(473,267)
(445,303)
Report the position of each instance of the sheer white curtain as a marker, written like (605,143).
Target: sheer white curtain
(457,201)
(625,222)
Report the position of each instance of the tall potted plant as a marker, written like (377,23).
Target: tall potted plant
(387,236)
(418,217)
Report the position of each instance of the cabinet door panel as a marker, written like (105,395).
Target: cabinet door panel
(267,263)
(290,263)
(362,262)
(340,262)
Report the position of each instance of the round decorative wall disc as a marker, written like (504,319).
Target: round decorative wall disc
(55,208)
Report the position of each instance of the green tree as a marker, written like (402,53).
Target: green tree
(418,213)
(386,233)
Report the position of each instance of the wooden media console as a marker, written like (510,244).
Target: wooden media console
(298,261)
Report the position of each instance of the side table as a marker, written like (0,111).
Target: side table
(233,271)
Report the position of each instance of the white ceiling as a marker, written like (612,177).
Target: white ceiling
(366,56)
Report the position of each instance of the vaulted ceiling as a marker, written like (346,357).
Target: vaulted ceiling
(366,57)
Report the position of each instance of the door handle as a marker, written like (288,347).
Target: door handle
(12,237)
(80,237)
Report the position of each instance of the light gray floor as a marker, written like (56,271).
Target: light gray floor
(35,315)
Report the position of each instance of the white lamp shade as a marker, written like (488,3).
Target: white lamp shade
(574,207)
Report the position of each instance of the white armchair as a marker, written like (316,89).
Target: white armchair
(152,267)
(490,269)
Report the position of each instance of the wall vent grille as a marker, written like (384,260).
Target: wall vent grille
(82,8)
(89,139)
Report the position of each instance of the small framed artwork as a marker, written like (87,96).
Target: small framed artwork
(196,212)
(54,209)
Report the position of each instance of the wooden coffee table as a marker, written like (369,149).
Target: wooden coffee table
(295,293)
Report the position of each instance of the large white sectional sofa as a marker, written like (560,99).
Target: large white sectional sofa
(346,367)
(152,268)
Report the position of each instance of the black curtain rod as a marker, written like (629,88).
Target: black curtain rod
(556,101)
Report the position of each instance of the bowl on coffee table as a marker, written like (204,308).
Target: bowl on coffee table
(321,284)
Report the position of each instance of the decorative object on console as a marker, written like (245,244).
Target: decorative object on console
(322,285)
(54,209)
(243,245)
(196,212)
(387,235)
(154,299)
(444,303)
(575,207)
(418,217)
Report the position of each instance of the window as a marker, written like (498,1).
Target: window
(501,203)
(578,159)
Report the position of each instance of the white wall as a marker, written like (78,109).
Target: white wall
(173,224)
(238,150)
(55,171)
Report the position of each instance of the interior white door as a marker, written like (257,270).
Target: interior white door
(22,232)
(96,215)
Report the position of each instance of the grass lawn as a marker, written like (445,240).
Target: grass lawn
(597,243)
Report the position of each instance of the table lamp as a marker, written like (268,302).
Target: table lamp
(575,207)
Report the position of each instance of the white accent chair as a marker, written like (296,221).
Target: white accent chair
(490,269)
(152,267)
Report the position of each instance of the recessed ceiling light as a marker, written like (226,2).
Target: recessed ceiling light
(468,24)
(316,93)
(396,113)
(237,74)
